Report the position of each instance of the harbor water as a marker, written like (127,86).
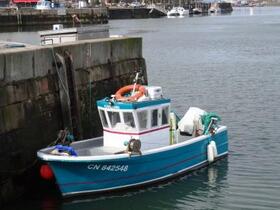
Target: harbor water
(228,64)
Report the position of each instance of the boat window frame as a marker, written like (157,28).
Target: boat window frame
(121,117)
(108,117)
(147,119)
(149,111)
(157,117)
(133,117)
(167,107)
(102,119)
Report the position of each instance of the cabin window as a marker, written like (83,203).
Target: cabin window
(128,119)
(114,118)
(103,118)
(164,118)
(143,119)
(154,117)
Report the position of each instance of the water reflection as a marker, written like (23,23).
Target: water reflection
(200,189)
(251,11)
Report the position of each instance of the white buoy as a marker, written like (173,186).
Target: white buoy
(211,151)
(214,148)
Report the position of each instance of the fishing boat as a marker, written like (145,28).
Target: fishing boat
(177,11)
(220,7)
(43,5)
(143,142)
(173,12)
(214,8)
(196,11)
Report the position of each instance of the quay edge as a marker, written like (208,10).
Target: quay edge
(34,17)
(35,83)
(134,13)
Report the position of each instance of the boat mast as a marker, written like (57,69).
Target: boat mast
(135,83)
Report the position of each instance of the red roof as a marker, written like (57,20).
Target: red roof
(25,1)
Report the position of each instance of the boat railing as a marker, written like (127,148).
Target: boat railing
(211,125)
(58,39)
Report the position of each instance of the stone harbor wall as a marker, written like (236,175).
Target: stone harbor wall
(45,89)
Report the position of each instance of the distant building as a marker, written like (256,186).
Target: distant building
(4,3)
(230,1)
(24,3)
(274,2)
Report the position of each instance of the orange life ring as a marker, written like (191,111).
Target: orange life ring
(120,94)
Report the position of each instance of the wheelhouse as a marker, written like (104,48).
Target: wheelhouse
(146,120)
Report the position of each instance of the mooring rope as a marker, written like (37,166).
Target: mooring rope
(59,77)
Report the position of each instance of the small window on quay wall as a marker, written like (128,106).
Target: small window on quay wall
(114,118)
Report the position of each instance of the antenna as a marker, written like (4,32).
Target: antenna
(135,82)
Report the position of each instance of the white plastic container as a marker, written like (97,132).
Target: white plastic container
(57,27)
(191,122)
(154,92)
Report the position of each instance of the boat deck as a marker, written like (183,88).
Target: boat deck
(96,151)
(95,147)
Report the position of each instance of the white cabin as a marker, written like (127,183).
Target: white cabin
(146,119)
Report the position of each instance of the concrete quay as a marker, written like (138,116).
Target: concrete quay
(67,16)
(134,13)
(46,88)
(72,16)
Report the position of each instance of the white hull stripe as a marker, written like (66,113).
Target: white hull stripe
(140,133)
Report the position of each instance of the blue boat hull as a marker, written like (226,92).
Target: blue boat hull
(86,176)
